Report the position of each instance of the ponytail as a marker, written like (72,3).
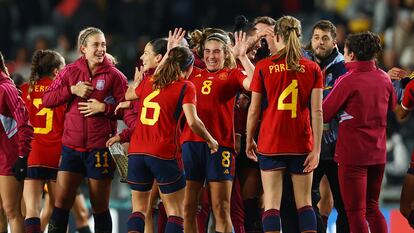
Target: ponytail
(289,29)
(43,64)
(179,59)
(293,50)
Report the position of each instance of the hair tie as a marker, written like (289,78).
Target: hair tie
(291,28)
(188,63)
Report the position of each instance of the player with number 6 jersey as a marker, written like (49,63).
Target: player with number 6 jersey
(154,149)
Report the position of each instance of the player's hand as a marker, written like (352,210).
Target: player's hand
(82,89)
(174,38)
(122,105)
(112,140)
(396,73)
(241,44)
(91,107)
(251,148)
(20,167)
(213,145)
(311,162)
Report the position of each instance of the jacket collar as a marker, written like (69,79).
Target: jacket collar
(334,58)
(361,65)
(104,67)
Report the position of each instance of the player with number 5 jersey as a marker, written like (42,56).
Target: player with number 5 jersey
(44,158)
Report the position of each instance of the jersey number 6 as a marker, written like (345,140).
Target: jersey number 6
(152,105)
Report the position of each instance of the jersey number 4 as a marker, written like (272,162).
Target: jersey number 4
(292,90)
(42,112)
(150,105)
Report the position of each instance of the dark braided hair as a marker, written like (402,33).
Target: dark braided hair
(3,67)
(365,45)
(43,64)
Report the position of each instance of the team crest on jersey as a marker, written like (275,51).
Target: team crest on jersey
(223,76)
(100,84)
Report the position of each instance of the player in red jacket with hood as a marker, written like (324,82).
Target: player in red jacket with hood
(91,87)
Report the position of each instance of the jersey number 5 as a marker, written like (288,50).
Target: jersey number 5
(49,117)
(292,89)
(152,105)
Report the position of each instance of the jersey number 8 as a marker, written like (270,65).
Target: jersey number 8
(206,89)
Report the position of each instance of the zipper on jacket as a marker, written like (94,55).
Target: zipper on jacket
(85,125)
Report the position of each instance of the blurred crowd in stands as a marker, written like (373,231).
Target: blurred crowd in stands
(28,25)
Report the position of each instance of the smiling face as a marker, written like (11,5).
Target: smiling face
(94,49)
(322,43)
(214,55)
(149,58)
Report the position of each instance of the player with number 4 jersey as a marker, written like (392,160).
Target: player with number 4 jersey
(285,98)
(283,87)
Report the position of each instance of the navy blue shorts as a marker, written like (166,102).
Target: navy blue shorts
(142,170)
(292,163)
(200,165)
(41,173)
(96,164)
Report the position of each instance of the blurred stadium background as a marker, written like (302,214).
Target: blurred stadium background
(27,25)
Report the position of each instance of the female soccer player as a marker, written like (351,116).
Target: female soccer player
(151,57)
(364,95)
(154,145)
(91,87)
(44,158)
(285,84)
(407,197)
(15,136)
(216,88)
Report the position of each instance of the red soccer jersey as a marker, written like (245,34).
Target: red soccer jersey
(216,95)
(408,99)
(157,127)
(47,124)
(285,127)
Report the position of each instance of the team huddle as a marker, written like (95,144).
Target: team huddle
(244,125)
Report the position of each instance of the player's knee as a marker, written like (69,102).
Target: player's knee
(190,209)
(221,209)
(12,211)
